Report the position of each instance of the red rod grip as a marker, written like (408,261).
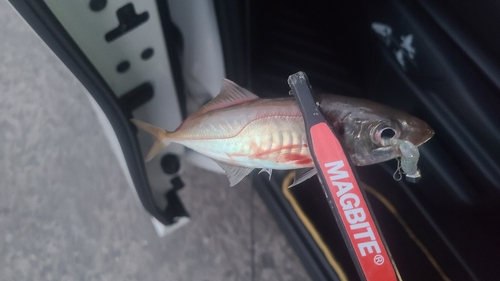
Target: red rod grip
(351,205)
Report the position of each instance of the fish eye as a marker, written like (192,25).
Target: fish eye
(385,131)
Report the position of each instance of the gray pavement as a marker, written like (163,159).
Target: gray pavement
(67,213)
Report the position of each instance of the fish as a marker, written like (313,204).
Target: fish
(242,132)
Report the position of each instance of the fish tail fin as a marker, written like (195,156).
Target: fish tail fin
(160,134)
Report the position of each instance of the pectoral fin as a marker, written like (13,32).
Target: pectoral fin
(267,170)
(302,175)
(234,173)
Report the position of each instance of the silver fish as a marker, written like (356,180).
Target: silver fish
(241,131)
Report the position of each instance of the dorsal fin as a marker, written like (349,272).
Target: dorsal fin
(230,94)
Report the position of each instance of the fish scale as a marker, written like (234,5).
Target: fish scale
(251,147)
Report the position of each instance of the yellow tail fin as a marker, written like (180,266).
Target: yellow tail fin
(159,134)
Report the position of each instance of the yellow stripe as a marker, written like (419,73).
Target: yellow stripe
(310,227)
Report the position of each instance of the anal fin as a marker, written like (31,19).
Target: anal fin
(302,175)
(234,173)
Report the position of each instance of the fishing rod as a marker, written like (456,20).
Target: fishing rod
(340,184)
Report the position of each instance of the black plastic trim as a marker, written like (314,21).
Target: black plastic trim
(456,32)
(477,146)
(175,47)
(231,22)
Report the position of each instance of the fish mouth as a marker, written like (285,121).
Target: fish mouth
(377,155)
(416,138)
(388,151)
(391,149)
(423,137)
(415,131)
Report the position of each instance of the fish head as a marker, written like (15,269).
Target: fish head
(367,127)
(367,134)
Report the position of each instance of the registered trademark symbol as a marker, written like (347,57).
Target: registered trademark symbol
(378,259)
